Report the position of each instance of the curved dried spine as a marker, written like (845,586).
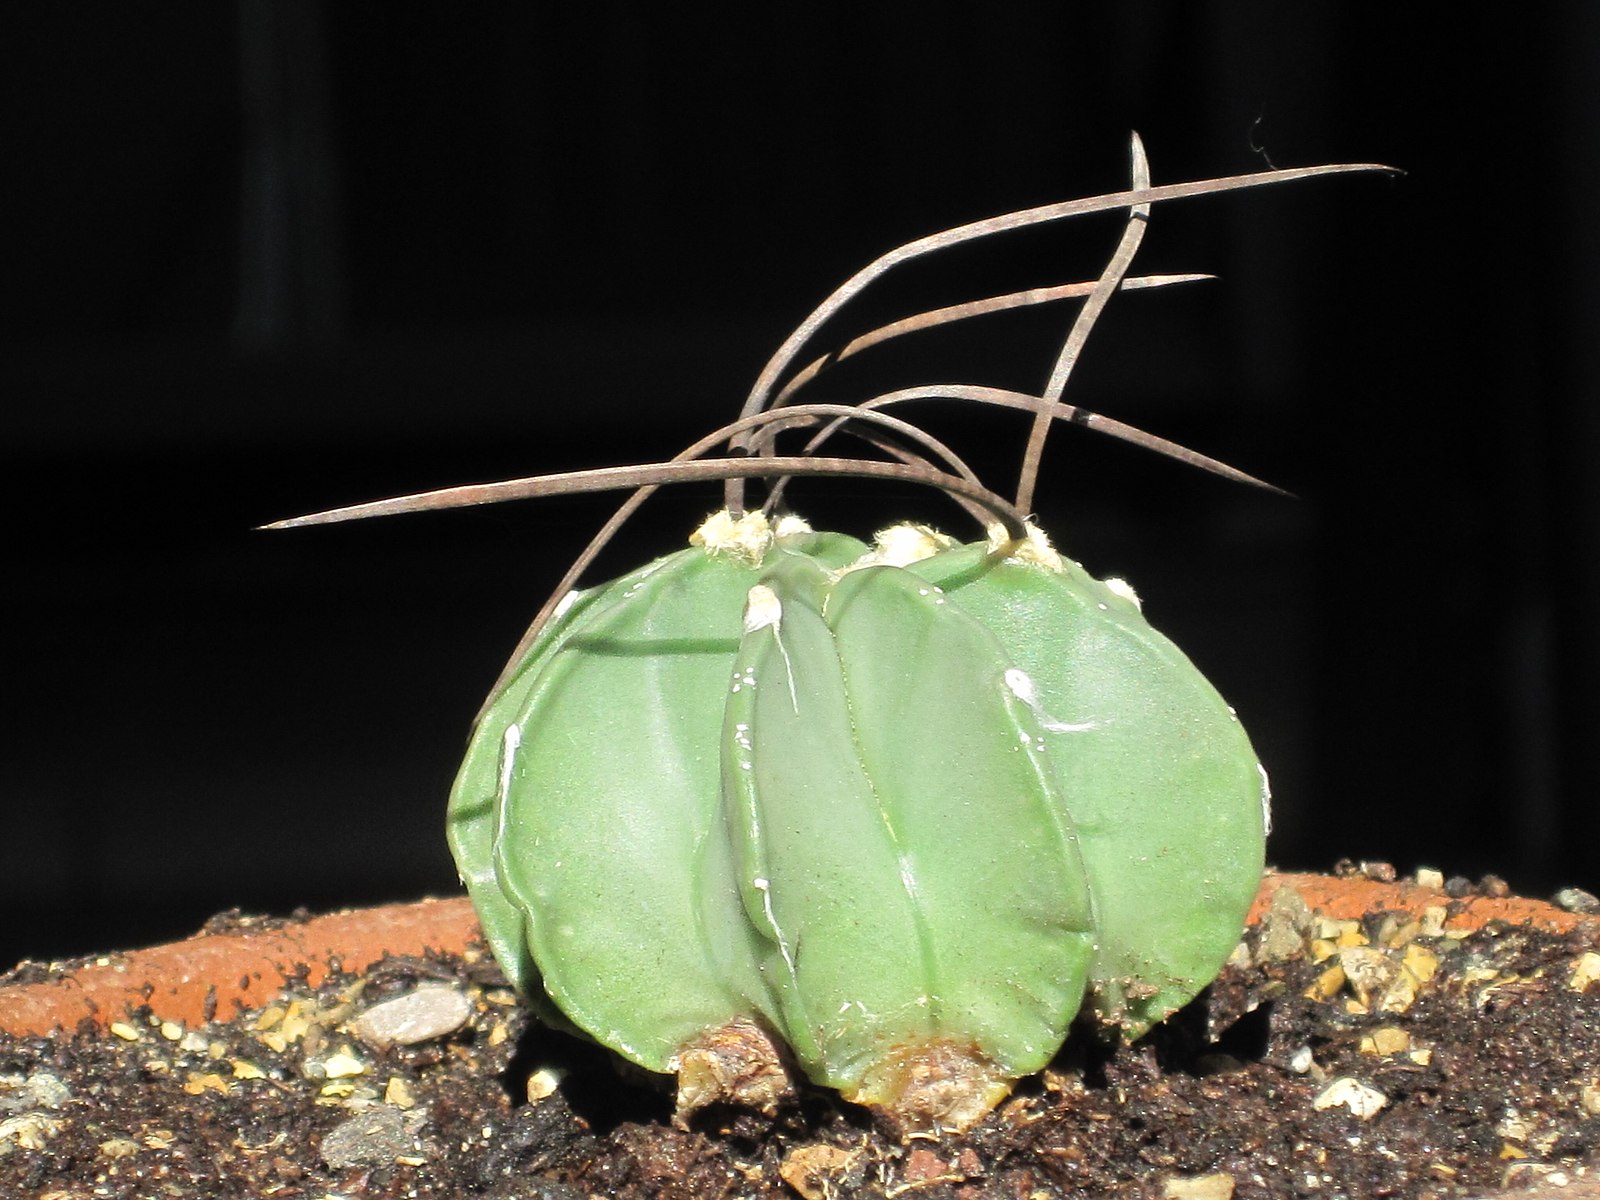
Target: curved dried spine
(762,394)
(1072,414)
(764,411)
(936,317)
(689,465)
(1078,336)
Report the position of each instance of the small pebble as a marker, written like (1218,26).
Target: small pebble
(39,1090)
(1379,872)
(47,1090)
(374,1137)
(1283,929)
(429,1011)
(543,1083)
(1577,900)
(1429,878)
(1368,970)
(1458,887)
(1302,1060)
(1360,1099)
(1589,1098)
(1585,970)
(1494,887)
(30,1131)
(342,1064)
(1217,1186)
(1386,1040)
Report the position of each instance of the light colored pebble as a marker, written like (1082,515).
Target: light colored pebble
(1283,930)
(1585,970)
(1429,877)
(1368,970)
(30,1131)
(342,1064)
(1589,1097)
(1389,1039)
(1216,1186)
(374,1137)
(542,1083)
(1359,1098)
(428,1011)
(1577,900)
(1514,1126)
(39,1090)
(1302,1060)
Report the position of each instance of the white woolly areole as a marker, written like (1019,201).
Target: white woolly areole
(907,543)
(749,537)
(1035,549)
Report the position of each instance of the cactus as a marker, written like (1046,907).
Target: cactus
(887,814)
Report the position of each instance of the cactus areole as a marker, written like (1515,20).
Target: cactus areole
(887,815)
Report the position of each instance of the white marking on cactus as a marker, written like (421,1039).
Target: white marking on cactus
(908,881)
(764,886)
(763,610)
(1121,587)
(1020,684)
(1266,800)
(565,603)
(510,743)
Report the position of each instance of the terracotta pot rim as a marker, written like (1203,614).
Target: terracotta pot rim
(213,973)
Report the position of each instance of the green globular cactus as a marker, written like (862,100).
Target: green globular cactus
(891,815)
(902,812)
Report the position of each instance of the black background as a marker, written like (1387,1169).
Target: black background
(267,258)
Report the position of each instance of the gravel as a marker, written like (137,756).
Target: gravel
(1382,1058)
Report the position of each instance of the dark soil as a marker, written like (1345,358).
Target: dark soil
(1486,1066)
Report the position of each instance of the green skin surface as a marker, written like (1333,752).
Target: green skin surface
(922,849)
